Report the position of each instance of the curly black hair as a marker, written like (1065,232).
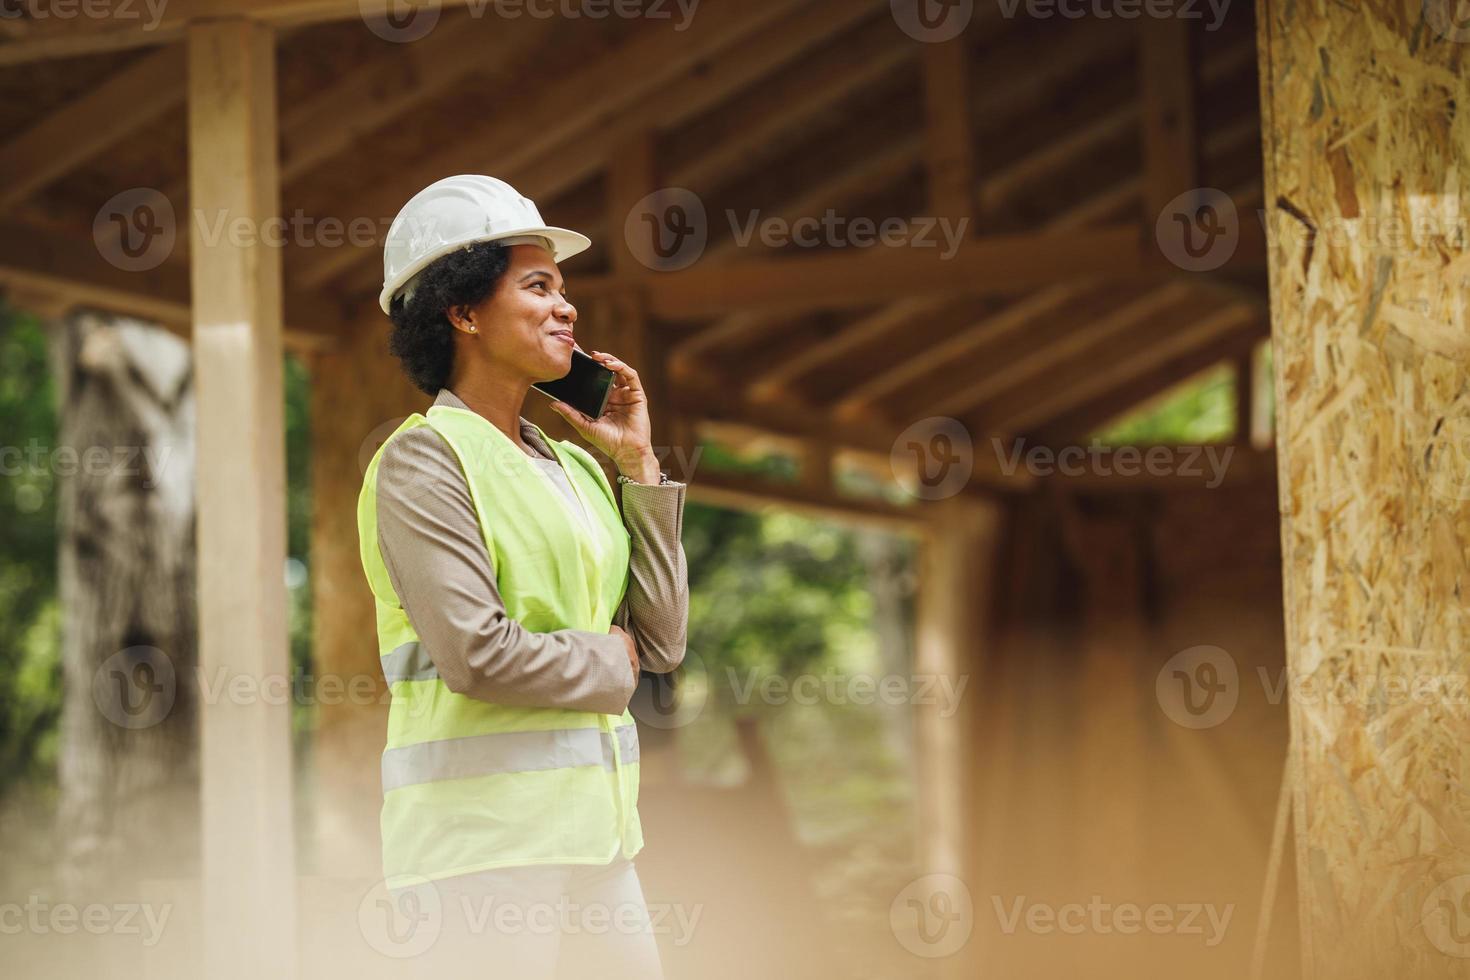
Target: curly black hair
(422,337)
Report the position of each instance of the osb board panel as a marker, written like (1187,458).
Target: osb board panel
(1364,143)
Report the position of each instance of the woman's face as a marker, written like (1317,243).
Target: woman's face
(526,323)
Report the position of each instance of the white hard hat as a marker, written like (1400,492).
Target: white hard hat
(458,211)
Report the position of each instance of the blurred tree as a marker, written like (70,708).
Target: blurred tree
(125,458)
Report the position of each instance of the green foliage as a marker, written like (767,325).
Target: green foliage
(30,616)
(773,592)
(30,637)
(1199,410)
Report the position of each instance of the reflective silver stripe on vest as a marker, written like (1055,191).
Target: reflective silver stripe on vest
(485,755)
(409,662)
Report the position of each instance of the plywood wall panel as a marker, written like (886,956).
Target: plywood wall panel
(1366,146)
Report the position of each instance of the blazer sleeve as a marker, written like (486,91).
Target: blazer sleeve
(655,609)
(440,568)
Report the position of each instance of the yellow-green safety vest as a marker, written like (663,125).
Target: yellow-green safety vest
(467,785)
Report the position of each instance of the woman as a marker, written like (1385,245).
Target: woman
(499,560)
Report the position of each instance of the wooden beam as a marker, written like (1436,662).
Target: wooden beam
(713,81)
(137,25)
(949,143)
(882,321)
(992,264)
(75,133)
(955,574)
(522,131)
(702,86)
(1033,365)
(1092,379)
(1017,315)
(329,122)
(1244,369)
(833,72)
(44,261)
(702,394)
(249,859)
(1166,94)
(1137,393)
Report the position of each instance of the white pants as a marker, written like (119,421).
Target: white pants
(555,922)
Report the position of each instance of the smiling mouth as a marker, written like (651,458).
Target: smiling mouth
(565,336)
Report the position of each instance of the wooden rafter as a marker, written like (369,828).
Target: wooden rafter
(1076,343)
(135,25)
(949,142)
(70,136)
(1166,86)
(46,262)
(1090,379)
(1015,316)
(553,114)
(1127,397)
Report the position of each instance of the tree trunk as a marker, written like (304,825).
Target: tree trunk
(125,468)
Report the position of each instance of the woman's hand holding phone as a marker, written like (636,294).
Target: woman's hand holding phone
(623,432)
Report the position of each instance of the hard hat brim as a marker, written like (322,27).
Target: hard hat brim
(564,244)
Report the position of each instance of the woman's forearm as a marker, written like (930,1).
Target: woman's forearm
(657,604)
(436,558)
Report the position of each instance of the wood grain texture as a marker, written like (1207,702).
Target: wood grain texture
(1366,157)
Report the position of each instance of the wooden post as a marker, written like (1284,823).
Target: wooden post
(954,585)
(359,394)
(949,151)
(1244,367)
(1166,87)
(248,839)
(1365,163)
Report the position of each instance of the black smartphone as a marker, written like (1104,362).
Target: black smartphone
(585,387)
